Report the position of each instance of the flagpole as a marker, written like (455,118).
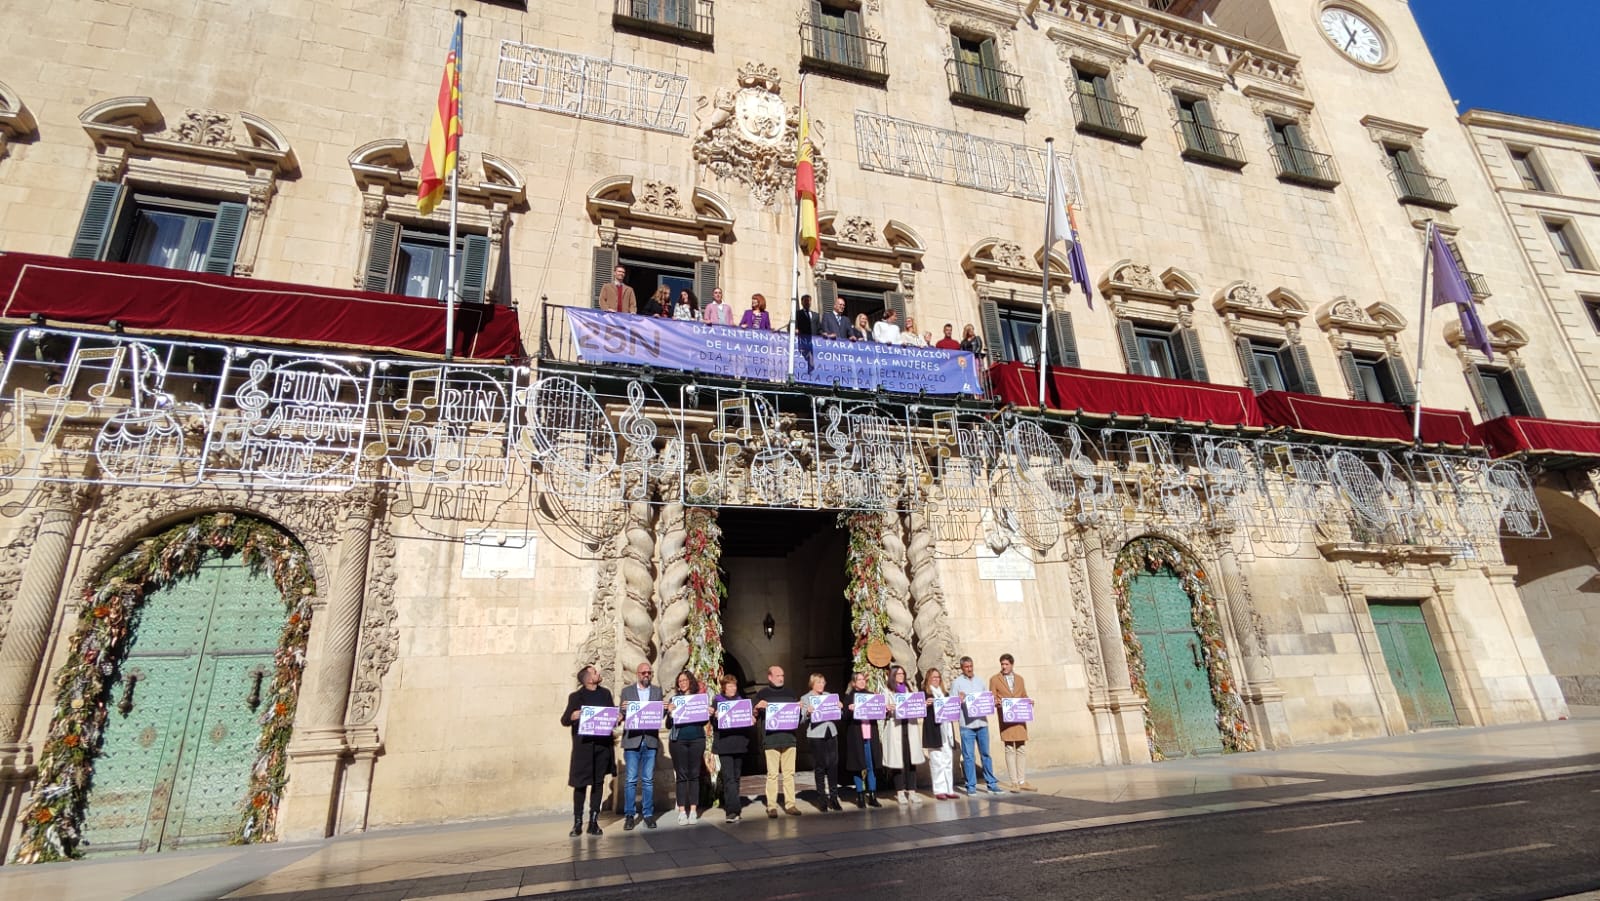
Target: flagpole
(1044,287)
(1422,335)
(451,292)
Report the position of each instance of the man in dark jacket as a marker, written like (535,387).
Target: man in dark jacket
(779,744)
(639,747)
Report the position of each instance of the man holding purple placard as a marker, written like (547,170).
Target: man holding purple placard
(1008,684)
(593,758)
(639,747)
(974,732)
(779,744)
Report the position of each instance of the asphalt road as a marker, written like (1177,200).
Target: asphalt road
(1533,839)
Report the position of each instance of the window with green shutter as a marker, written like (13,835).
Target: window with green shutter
(1506,392)
(99,218)
(415,262)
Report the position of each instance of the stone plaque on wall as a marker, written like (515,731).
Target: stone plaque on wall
(499,554)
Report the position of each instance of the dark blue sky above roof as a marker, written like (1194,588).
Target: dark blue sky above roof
(1533,58)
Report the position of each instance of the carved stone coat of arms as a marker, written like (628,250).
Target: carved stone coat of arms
(751,135)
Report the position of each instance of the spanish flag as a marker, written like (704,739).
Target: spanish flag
(805,188)
(444,135)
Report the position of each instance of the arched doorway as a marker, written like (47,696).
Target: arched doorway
(177,699)
(1177,657)
(1558,579)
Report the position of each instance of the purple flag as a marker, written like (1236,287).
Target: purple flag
(1450,286)
(1076,262)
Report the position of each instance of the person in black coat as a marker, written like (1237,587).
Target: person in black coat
(863,752)
(730,746)
(593,757)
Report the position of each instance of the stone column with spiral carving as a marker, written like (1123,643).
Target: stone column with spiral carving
(672,591)
(1262,697)
(636,573)
(897,590)
(329,672)
(935,642)
(1118,709)
(33,613)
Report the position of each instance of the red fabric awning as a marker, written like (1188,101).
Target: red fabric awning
(153,300)
(1544,437)
(1104,393)
(1342,418)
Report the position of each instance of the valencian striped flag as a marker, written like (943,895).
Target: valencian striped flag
(805,188)
(444,135)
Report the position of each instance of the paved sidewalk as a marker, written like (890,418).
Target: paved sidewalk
(533,855)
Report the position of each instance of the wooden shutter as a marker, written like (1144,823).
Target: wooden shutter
(1530,400)
(381,255)
(855,52)
(706,274)
(605,261)
(1304,377)
(1192,361)
(1352,375)
(1405,390)
(1478,387)
(827,293)
(1206,126)
(895,300)
(1188,123)
(1247,363)
(993,334)
(225,234)
(1130,347)
(821,35)
(993,84)
(99,214)
(474,268)
(1063,340)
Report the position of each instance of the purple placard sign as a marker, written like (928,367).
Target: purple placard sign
(735,714)
(946,710)
(690,709)
(644,716)
(871,707)
(910,705)
(825,708)
(782,715)
(604,337)
(980,703)
(1016,710)
(598,721)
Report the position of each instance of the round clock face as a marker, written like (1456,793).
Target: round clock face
(1354,36)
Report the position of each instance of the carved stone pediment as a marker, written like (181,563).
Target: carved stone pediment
(1245,300)
(1342,314)
(1001,259)
(134,126)
(15,119)
(387,167)
(623,201)
(750,135)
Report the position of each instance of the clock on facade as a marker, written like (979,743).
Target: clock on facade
(1353,35)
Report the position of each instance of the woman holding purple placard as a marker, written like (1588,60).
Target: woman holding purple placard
(902,740)
(593,757)
(863,752)
(824,739)
(939,740)
(688,745)
(730,746)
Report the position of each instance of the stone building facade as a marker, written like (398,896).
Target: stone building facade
(1252,196)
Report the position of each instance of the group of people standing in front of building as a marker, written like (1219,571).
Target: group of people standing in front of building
(857,746)
(618,297)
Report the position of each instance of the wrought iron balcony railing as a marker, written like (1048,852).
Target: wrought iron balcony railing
(1421,189)
(1476,284)
(1107,118)
(844,53)
(1209,144)
(1305,167)
(985,87)
(684,20)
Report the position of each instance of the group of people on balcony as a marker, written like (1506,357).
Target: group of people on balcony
(617,296)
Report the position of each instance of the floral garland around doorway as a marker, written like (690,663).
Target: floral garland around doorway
(703,554)
(866,591)
(53,819)
(1152,555)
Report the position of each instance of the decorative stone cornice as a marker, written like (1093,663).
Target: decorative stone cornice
(856,237)
(15,119)
(134,126)
(1246,300)
(385,167)
(1391,557)
(998,259)
(995,14)
(614,202)
(1382,129)
(1171,75)
(1480,118)
(1344,314)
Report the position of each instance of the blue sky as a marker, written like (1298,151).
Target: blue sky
(1532,57)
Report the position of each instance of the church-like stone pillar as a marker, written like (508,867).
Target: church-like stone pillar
(1118,710)
(1263,699)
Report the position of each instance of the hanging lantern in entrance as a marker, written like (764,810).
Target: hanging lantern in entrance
(768,626)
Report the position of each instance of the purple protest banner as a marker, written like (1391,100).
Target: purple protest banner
(690,709)
(910,705)
(980,703)
(598,721)
(946,710)
(871,707)
(1016,710)
(735,714)
(604,337)
(782,715)
(644,716)
(825,708)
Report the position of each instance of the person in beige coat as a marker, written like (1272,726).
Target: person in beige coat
(616,296)
(902,740)
(1008,684)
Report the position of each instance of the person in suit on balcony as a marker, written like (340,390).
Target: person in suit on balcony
(835,324)
(717,312)
(617,296)
(807,323)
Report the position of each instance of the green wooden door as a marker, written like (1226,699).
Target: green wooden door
(181,733)
(1182,713)
(1413,665)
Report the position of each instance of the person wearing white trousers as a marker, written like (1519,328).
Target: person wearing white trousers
(938,740)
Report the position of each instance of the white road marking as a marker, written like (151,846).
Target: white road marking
(1519,849)
(1483,806)
(1088,854)
(1314,826)
(1257,889)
